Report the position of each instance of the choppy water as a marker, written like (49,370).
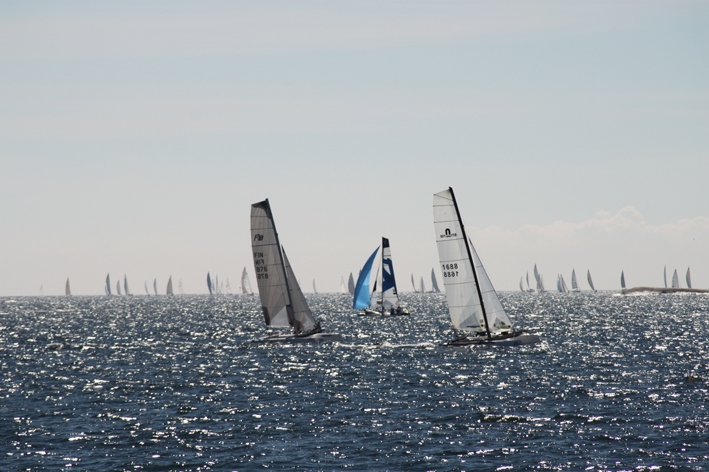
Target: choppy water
(158,383)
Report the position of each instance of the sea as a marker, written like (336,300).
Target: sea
(158,383)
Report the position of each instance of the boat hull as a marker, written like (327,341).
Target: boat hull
(291,338)
(517,339)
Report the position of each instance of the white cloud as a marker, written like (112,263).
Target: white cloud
(605,244)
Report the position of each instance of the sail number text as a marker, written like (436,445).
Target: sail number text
(260,266)
(450,270)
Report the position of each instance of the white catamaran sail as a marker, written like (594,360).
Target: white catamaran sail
(574,284)
(282,300)
(590,280)
(422,287)
(675,280)
(343,289)
(107,288)
(315,289)
(688,278)
(434,282)
(245,283)
(472,300)
(67,288)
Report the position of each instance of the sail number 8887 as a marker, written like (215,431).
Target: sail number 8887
(450,270)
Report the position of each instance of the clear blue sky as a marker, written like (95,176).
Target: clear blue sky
(134,136)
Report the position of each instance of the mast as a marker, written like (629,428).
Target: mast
(472,263)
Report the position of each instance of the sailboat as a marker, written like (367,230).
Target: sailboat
(622,280)
(107,288)
(315,290)
(561,284)
(168,291)
(422,287)
(675,280)
(472,301)
(245,283)
(67,288)
(351,285)
(343,289)
(540,280)
(118,287)
(521,286)
(665,276)
(688,278)
(590,280)
(146,288)
(434,283)
(228,286)
(155,286)
(574,284)
(125,284)
(282,300)
(209,283)
(413,284)
(388,302)
(179,284)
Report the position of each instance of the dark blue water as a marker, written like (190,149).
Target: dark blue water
(158,383)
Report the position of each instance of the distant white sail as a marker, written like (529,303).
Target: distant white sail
(245,283)
(590,280)
(528,287)
(351,285)
(125,284)
(155,286)
(675,280)
(413,284)
(343,289)
(536,274)
(179,284)
(315,289)
(521,286)
(67,288)
(209,283)
(688,278)
(107,288)
(434,282)
(665,276)
(146,288)
(168,291)
(558,283)
(622,280)
(216,284)
(118,287)
(574,284)
(422,286)
(564,288)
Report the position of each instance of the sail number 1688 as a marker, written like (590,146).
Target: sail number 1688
(449,270)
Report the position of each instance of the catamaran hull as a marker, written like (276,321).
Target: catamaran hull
(291,338)
(515,340)
(368,312)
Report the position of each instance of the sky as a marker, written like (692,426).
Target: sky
(134,136)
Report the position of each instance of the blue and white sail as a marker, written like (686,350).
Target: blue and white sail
(362,293)
(390,296)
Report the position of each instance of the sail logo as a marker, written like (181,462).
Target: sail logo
(448,234)
(258,237)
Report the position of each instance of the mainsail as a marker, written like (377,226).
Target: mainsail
(675,280)
(245,283)
(390,296)
(67,288)
(688,278)
(343,289)
(564,288)
(168,291)
(209,283)
(179,284)
(146,288)
(118,287)
(351,285)
(125,284)
(665,276)
(622,280)
(590,280)
(459,278)
(107,288)
(315,290)
(362,293)
(434,283)
(521,286)
(155,286)
(423,287)
(413,284)
(574,284)
(282,300)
